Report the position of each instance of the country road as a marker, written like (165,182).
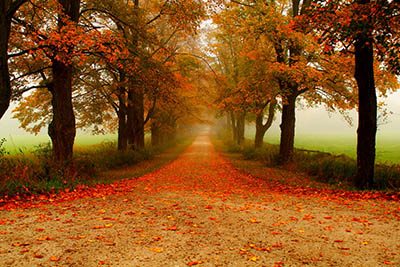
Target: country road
(200,210)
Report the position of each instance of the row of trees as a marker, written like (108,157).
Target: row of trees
(110,65)
(271,53)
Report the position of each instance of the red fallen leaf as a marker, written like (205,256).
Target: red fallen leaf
(25,250)
(157,238)
(130,213)
(328,217)
(212,218)
(315,259)
(40,229)
(193,263)
(279,245)
(38,256)
(338,241)
(343,248)
(101,263)
(387,262)
(110,244)
(276,233)
(108,218)
(264,249)
(348,230)
(98,227)
(20,244)
(54,258)
(100,237)
(172,228)
(208,207)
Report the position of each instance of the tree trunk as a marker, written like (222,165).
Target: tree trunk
(262,128)
(287,130)
(155,134)
(5,88)
(62,127)
(240,128)
(259,138)
(7,11)
(122,114)
(135,118)
(367,111)
(234,126)
(122,129)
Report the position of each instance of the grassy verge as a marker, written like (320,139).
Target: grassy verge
(34,173)
(335,171)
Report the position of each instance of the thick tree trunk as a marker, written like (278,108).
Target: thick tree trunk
(7,11)
(5,89)
(262,128)
(287,130)
(122,129)
(135,118)
(259,138)
(62,127)
(240,128)
(122,114)
(367,112)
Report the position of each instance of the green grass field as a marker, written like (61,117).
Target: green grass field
(387,147)
(26,143)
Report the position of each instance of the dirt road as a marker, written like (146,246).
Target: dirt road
(199,210)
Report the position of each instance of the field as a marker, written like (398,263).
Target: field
(387,148)
(25,143)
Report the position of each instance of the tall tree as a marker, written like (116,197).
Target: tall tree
(62,127)
(370,30)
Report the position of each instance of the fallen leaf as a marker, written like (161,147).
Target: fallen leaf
(254,258)
(54,258)
(157,250)
(20,244)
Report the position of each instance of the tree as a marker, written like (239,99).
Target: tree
(369,29)
(8,8)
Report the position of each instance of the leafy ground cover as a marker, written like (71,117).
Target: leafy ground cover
(35,173)
(201,210)
(337,171)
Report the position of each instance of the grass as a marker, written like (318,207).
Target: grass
(387,145)
(35,173)
(337,170)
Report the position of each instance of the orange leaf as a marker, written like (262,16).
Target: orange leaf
(54,258)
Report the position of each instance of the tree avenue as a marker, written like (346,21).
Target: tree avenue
(155,66)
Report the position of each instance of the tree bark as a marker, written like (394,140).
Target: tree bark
(287,129)
(135,118)
(155,134)
(367,112)
(241,128)
(262,128)
(122,114)
(62,127)
(7,11)
(234,126)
